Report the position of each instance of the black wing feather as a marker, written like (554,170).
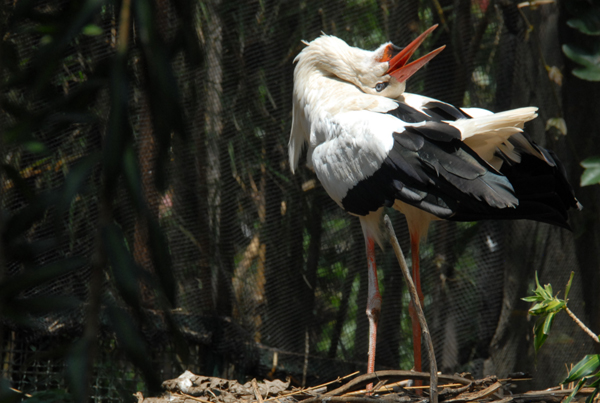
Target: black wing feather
(430,168)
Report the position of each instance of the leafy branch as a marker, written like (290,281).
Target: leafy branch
(546,307)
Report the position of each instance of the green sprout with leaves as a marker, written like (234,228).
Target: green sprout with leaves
(546,307)
(586,371)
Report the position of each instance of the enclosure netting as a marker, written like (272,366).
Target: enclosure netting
(270,273)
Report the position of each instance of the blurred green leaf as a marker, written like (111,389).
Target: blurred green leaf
(79,362)
(124,269)
(133,345)
(591,174)
(588,365)
(12,286)
(586,16)
(43,68)
(35,147)
(589,60)
(589,26)
(163,91)
(131,170)
(118,131)
(92,30)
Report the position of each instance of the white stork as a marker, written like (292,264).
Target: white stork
(373,145)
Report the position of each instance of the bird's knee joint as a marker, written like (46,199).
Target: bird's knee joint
(374,308)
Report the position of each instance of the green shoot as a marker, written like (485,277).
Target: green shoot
(587,371)
(546,307)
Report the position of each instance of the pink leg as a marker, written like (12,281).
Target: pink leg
(373,304)
(416,327)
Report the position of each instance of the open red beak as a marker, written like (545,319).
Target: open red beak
(402,71)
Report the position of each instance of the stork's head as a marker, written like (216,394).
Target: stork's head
(381,72)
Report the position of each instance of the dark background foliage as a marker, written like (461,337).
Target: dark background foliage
(150,224)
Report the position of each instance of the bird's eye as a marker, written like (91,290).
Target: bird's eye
(381,86)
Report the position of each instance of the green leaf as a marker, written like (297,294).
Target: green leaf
(539,337)
(588,365)
(131,169)
(569,285)
(575,391)
(532,298)
(548,323)
(539,289)
(547,306)
(596,386)
(596,383)
(540,308)
(590,62)
(592,396)
(584,25)
(556,305)
(548,289)
(591,162)
(591,174)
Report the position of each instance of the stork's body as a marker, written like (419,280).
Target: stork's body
(373,145)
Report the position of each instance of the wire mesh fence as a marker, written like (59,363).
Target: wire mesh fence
(265,274)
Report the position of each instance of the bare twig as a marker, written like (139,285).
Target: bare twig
(393,376)
(21,392)
(298,392)
(256,391)
(198,399)
(582,325)
(417,304)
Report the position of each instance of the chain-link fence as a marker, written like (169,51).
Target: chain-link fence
(146,184)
